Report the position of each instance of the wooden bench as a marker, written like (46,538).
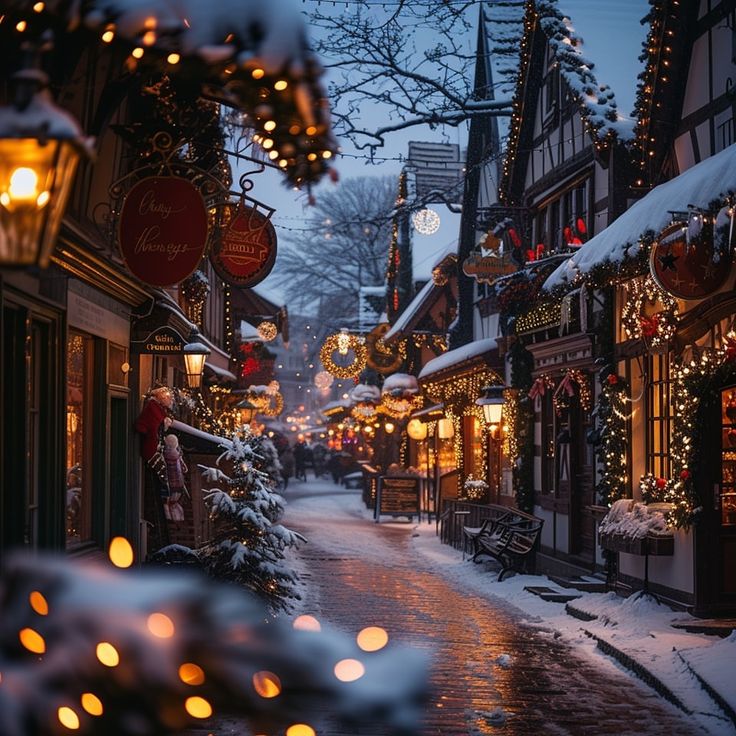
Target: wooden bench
(511,538)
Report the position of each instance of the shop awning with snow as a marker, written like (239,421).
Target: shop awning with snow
(705,186)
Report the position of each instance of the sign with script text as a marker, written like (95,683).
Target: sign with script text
(397,497)
(245,252)
(163,230)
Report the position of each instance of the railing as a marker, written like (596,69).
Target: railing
(457,514)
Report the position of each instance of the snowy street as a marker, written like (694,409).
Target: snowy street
(492,672)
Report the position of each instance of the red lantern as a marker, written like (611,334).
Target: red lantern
(580,226)
(567,234)
(515,239)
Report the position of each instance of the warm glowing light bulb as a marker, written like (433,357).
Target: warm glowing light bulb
(107,654)
(68,718)
(191,674)
(311,130)
(160,625)
(372,638)
(349,670)
(92,704)
(137,53)
(32,641)
(300,729)
(198,707)
(281,85)
(257,73)
(173,58)
(266,684)
(38,603)
(269,125)
(21,26)
(120,552)
(38,7)
(23,184)
(109,34)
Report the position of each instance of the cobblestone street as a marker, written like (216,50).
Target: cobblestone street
(546,688)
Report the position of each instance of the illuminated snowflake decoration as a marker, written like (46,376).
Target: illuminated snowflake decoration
(426,221)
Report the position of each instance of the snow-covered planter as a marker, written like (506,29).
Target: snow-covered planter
(636,528)
(475,489)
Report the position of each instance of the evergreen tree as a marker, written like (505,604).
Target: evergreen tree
(248,545)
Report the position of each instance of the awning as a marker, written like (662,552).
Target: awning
(195,440)
(708,181)
(460,358)
(221,374)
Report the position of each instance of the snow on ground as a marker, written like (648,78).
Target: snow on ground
(637,626)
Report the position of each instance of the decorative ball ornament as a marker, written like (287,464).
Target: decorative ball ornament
(426,221)
(323,380)
(337,343)
(267,331)
(416,430)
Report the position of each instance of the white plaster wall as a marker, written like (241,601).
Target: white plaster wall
(676,572)
(547,529)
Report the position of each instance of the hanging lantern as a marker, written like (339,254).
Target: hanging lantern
(389,427)
(40,147)
(195,355)
(245,412)
(416,430)
(492,404)
(445,429)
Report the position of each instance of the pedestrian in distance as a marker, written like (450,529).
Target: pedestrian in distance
(300,460)
(287,466)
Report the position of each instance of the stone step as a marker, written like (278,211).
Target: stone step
(717,626)
(551,595)
(584,585)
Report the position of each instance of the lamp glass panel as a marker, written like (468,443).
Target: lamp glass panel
(194,363)
(35,182)
(493,413)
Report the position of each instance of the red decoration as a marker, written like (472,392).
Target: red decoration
(250,365)
(163,230)
(540,250)
(580,226)
(661,483)
(730,345)
(612,379)
(575,241)
(567,234)
(685,474)
(148,424)
(649,325)
(531,255)
(515,239)
(246,250)
(687,270)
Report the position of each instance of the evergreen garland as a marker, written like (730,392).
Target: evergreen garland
(523,464)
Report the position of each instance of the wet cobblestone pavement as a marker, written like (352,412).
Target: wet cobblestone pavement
(547,688)
(359,574)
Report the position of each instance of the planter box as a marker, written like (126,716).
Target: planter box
(660,545)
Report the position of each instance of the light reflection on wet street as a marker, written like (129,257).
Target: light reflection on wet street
(361,574)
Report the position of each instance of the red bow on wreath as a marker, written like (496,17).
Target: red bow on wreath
(566,385)
(539,387)
(649,325)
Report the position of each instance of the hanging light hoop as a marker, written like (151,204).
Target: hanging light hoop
(426,221)
(331,346)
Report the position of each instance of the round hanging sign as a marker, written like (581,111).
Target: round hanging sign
(688,268)
(246,250)
(162,230)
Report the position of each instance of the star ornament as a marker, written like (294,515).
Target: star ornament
(668,261)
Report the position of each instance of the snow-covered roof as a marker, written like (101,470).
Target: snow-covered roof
(220,372)
(700,185)
(408,314)
(566,24)
(249,333)
(401,382)
(364,393)
(457,356)
(194,432)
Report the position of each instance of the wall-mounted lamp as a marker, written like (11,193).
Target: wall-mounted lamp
(40,147)
(195,355)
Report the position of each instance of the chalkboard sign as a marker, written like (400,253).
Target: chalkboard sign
(397,497)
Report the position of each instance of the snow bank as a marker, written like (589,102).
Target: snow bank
(633,520)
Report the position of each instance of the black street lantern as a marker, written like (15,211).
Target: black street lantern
(40,147)
(246,411)
(195,355)
(492,403)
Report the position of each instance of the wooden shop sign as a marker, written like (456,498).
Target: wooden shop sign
(163,230)
(486,269)
(245,252)
(162,341)
(688,270)
(397,497)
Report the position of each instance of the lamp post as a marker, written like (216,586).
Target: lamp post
(246,411)
(40,147)
(195,355)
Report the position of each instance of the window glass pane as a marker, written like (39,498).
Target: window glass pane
(78,501)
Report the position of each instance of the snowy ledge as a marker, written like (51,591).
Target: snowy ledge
(458,356)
